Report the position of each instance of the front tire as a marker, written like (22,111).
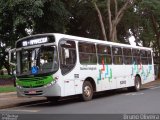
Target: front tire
(87,91)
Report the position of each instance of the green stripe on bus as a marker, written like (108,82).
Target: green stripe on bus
(34,81)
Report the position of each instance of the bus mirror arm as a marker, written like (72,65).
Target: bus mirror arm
(10,57)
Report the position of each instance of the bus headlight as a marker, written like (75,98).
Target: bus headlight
(50,84)
(18,86)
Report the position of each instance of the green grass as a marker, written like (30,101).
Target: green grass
(7,88)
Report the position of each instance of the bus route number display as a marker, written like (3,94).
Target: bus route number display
(34,41)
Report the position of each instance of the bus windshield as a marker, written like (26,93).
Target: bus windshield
(35,61)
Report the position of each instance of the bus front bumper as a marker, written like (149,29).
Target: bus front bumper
(53,90)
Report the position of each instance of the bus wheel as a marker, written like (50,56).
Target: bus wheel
(137,85)
(87,93)
(53,99)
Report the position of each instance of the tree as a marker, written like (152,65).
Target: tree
(151,10)
(100,20)
(15,17)
(3,59)
(82,20)
(103,19)
(55,17)
(40,16)
(114,16)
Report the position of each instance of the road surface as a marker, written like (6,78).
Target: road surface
(146,101)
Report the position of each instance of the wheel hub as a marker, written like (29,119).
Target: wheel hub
(87,91)
(137,84)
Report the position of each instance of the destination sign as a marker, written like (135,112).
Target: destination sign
(34,42)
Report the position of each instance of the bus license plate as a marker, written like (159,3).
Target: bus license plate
(32,92)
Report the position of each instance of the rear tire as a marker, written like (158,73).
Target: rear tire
(87,91)
(137,85)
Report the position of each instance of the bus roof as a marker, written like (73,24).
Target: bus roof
(98,41)
(60,36)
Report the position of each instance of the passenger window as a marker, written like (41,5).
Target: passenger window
(149,57)
(127,56)
(136,56)
(104,54)
(87,53)
(67,55)
(117,55)
(144,59)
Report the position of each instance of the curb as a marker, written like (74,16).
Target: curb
(8,93)
(151,84)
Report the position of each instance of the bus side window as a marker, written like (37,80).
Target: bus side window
(144,59)
(67,55)
(117,55)
(87,53)
(136,56)
(104,54)
(149,57)
(127,56)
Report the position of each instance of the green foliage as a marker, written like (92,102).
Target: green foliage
(15,17)
(82,22)
(149,9)
(73,17)
(39,15)
(54,19)
(76,17)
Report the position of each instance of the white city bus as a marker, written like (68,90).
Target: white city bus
(57,65)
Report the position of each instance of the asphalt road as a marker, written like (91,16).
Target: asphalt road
(122,102)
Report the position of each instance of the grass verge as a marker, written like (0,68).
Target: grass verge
(7,88)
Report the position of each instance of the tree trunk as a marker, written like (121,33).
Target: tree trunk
(101,22)
(114,34)
(113,22)
(110,20)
